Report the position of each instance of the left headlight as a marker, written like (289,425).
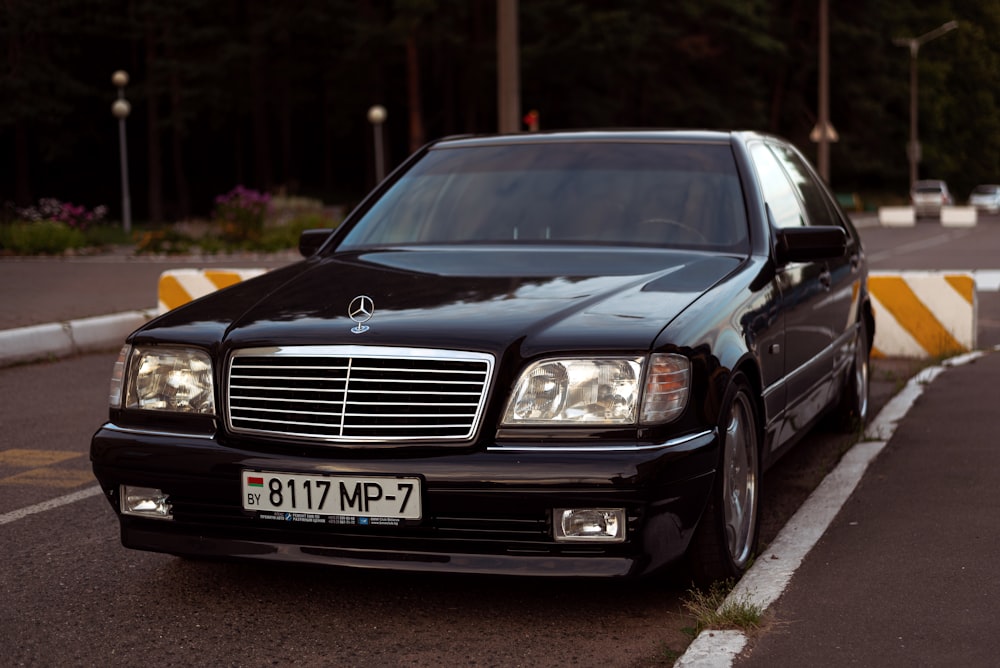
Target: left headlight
(164,378)
(608,391)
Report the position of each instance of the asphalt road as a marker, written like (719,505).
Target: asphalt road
(70,595)
(37,290)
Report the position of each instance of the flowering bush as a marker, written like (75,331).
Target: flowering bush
(241,213)
(74,215)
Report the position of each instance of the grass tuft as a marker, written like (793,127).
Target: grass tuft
(711,610)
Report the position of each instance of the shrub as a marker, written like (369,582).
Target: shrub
(240,214)
(165,241)
(287,235)
(49,237)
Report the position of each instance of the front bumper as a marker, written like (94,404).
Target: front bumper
(486,512)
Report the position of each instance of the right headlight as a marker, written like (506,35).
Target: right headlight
(163,378)
(607,391)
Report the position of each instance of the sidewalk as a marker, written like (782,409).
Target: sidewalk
(902,573)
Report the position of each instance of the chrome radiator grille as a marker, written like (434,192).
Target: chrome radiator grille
(357,393)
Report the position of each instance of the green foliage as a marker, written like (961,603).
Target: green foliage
(44,237)
(163,241)
(270,238)
(102,236)
(287,235)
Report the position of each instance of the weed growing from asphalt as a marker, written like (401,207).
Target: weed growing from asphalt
(711,610)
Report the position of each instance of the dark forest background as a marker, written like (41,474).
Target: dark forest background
(273,95)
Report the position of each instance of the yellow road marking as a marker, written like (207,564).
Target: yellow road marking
(50,477)
(32,458)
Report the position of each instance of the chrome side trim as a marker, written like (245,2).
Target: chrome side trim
(672,443)
(156,432)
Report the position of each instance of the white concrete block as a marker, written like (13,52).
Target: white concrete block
(958,216)
(896,216)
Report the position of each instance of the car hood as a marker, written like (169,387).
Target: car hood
(480,299)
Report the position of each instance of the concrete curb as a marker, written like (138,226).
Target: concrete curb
(62,339)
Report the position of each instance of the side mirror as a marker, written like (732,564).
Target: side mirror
(806,244)
(310,241)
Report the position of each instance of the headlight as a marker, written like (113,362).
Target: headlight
(601,391)
(166,379)
(560,391)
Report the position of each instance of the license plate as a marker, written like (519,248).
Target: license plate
(343,496)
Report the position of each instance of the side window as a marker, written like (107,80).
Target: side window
(816,204)
(778,191)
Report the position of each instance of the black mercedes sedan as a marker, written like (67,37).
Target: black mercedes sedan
(564,354)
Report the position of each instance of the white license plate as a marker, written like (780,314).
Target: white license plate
(268,491)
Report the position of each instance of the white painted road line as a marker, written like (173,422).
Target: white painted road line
(67,499)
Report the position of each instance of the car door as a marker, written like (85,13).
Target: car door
(838,312)
(813,301)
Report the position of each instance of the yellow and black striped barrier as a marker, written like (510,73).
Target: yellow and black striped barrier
(923,313)
(179,286)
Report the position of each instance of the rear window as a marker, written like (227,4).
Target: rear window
(663,195)
(929,189)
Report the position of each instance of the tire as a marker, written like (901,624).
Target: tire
(725,541)
(851,411)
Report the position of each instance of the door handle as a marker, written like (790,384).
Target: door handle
(825,279)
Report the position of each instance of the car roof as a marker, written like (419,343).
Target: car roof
(633,135)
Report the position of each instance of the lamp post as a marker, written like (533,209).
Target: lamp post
(913,151)
(376,116)
(120,109)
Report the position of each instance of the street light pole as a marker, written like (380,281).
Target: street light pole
(823,155)
(913,150)
(377,116)
(120,109)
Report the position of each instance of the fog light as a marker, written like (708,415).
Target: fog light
(145,502)
(589,525)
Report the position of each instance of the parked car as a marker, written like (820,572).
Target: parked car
(566,354)
(929,196)
(985,198)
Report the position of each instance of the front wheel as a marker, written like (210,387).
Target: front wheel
(726,538)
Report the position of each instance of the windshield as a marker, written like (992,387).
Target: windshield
(664,195)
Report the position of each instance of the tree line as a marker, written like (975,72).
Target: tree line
(274,95)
